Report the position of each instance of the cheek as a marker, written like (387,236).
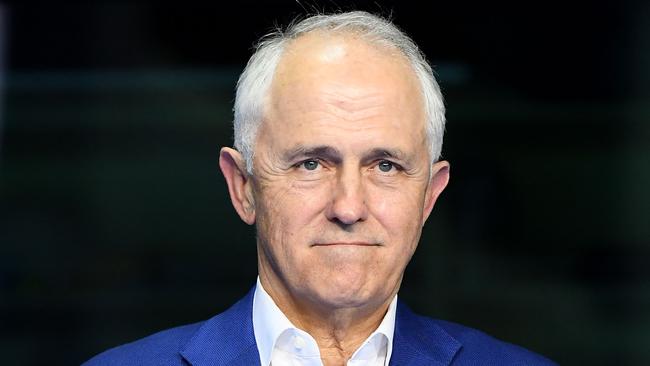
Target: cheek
(287,209)
(399,211)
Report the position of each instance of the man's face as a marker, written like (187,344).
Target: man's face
(341,183)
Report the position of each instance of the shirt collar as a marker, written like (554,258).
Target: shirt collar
(386,328)
(269,322)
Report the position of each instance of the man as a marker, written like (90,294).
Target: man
(338,130)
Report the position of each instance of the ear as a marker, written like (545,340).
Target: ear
(437,183)
(239,183)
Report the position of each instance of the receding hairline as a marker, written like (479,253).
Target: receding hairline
(382,47)
(382,50)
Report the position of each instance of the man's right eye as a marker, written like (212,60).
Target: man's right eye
(310,164)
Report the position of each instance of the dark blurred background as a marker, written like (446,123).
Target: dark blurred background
(115,220)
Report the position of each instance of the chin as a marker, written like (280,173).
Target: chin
(345,293)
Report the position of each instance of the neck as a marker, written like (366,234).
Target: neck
(338,331)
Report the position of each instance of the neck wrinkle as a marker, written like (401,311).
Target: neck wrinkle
(336,332)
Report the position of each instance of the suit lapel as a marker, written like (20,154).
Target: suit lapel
(226,339)
(419,341)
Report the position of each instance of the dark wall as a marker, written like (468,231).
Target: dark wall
(115,221)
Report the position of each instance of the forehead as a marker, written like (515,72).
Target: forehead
(346,77)
(320,56)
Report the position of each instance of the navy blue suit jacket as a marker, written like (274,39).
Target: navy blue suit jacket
(227,339)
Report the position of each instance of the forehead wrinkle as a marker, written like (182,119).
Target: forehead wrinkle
(349,107)
(350,98)
(323,108)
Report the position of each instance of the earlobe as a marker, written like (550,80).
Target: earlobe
(233,168)
(437,183)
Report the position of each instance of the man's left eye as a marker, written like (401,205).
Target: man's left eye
(385,166)
(310,164)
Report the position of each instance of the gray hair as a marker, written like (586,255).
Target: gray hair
(255,81)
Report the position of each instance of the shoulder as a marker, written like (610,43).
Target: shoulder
(479,346)
(229,332)
(161,348)
(458,345)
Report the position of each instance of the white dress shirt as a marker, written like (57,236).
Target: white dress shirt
(280,343)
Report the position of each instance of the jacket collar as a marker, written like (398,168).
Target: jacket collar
(420,341)
(228,339)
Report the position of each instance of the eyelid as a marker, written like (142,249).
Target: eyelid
(302,160)
(300,163)
(395,165)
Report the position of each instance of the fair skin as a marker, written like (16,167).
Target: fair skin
(342,186)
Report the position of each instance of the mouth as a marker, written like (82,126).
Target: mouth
(354,243)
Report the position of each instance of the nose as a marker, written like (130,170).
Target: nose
(348,199)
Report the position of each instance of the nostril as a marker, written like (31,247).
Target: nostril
(348,213)
(343,226)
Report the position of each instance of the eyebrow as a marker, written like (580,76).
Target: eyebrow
(378,153)
(334,155)
(324,151)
